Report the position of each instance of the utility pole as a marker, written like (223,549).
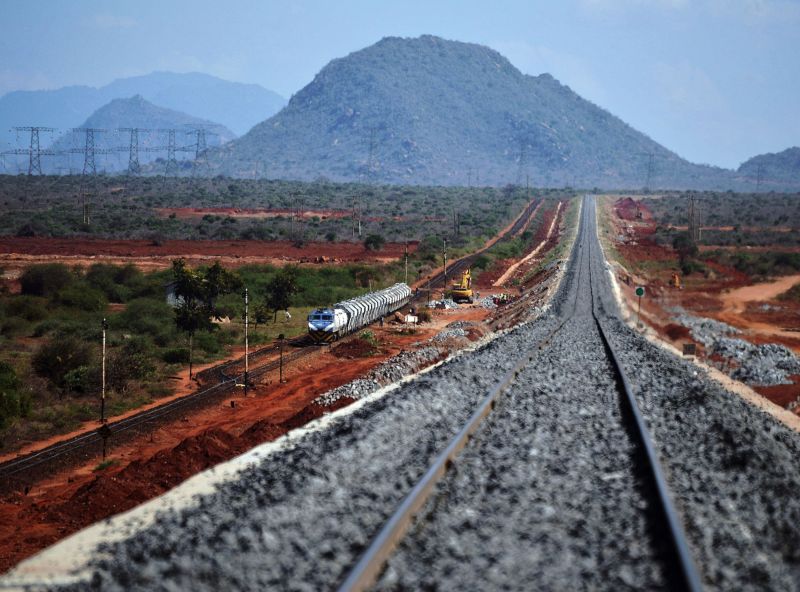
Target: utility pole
(246,344)
(34,151)
(694,221)
(89,149)
(444,252)
(134,168)
(172,162)
(104,326)
(406,262)
(759,177)
(280,340)
(89,152)
(650,166)
(200,149)
(521,168)
(133,152)
(371,157)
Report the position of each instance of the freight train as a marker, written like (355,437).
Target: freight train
(329,324)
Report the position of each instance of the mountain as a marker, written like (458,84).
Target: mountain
(773,168)
(432,111)
(135,112)
(236,106)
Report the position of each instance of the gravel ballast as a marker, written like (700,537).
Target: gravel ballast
(543,498)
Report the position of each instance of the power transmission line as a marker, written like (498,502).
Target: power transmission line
(34,150)
(694,221)
(650,169)
(200,148)
(759,176)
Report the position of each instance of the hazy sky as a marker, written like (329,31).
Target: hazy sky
(715,80)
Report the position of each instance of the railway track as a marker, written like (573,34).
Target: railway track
(454,269)
(551,490)
(422,562)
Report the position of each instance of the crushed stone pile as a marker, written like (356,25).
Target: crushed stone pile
(449,334)
(767,364)
(757,365)
(486,302)
(460,325)
(446,303)
(388,372)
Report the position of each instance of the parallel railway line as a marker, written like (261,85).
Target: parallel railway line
(20,472)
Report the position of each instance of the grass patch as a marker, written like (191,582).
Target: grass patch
(106,464)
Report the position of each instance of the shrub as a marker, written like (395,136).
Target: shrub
(424,316)
(13,326)
(176,355)
(12,402)
(147,316)
(30,308)
(81,380)
(116,283)
(60,356)
(45,280)
(374,242)
(133,361)
(208,342)
(82,297)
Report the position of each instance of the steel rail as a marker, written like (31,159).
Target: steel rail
(365,572)
(680,545)
(458,265)
(371,563)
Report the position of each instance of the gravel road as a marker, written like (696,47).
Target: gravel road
(545,497)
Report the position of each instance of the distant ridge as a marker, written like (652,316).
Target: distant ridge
(431,111)
(136,112)
(235,105)
(773,169)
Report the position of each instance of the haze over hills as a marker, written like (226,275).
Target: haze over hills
(235,105)
(773,168)
(135,112)
(432,111)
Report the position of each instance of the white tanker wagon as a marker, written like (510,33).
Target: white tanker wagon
(329,324)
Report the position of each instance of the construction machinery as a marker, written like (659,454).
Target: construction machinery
(462,291)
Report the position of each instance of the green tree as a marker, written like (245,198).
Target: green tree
(374,242)
(197,291)
(280,289)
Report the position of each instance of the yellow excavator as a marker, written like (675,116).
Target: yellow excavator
(462,291)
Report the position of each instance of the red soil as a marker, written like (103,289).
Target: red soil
(781,394)
(193,213)
(148,466)
(725,294)
(16,253)
(631,209)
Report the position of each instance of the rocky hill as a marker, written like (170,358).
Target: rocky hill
(432,111)
(773,169)
(236,106)
(135,112)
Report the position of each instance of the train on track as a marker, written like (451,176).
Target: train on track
(329,324)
